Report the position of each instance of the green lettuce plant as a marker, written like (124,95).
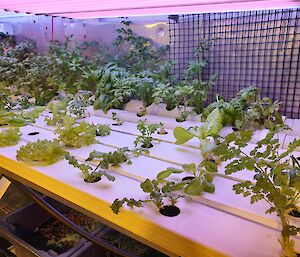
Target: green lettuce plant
(276,177)
(41,152)
(9,137)
(76,135)
(146,130)
(91,174)
(20,119)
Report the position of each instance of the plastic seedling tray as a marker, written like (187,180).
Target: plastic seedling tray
(119,240)
(20,226)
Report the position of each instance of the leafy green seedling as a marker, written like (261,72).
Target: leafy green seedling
(157,195)
(20,119)
(102,130)
(41,152)
(76,135)
(146,130)
(58,111)
(205,133)
(276,176)
(201,179)
(115,158)
(115,118)
(9,137)
(161,129)
(90,174)
(78,105)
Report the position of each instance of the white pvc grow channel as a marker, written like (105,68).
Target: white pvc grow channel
(222,221)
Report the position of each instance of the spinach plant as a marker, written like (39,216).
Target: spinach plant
(143,89)
(91,174)
(146,130)
(276,176)
(113,89)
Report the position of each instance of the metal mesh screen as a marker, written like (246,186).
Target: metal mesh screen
(252,48)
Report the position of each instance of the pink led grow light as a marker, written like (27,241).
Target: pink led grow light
(117,8)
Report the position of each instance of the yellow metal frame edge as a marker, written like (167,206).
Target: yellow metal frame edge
(128,220)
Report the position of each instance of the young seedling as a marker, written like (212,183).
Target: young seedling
(161,129)
(90,174)
(115,158)
(157,195)
(78,105)
(9,137)
(117,121)
(146,130)
(206,133)
(276,177)
(102,130)
(41,152)
(201,179)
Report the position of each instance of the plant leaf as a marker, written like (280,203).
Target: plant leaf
(182,135)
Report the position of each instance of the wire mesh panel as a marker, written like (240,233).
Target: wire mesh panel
(251,48)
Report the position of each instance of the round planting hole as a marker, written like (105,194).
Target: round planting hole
(147,146)
(295,213)
(93,181)
(187,178)
(298,158)
(162,133)
(234,129)
(179,120)
(169,210)
(33,133)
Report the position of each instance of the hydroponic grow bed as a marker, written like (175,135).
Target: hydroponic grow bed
(216,224)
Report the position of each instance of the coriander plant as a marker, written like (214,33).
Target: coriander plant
(276,177)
